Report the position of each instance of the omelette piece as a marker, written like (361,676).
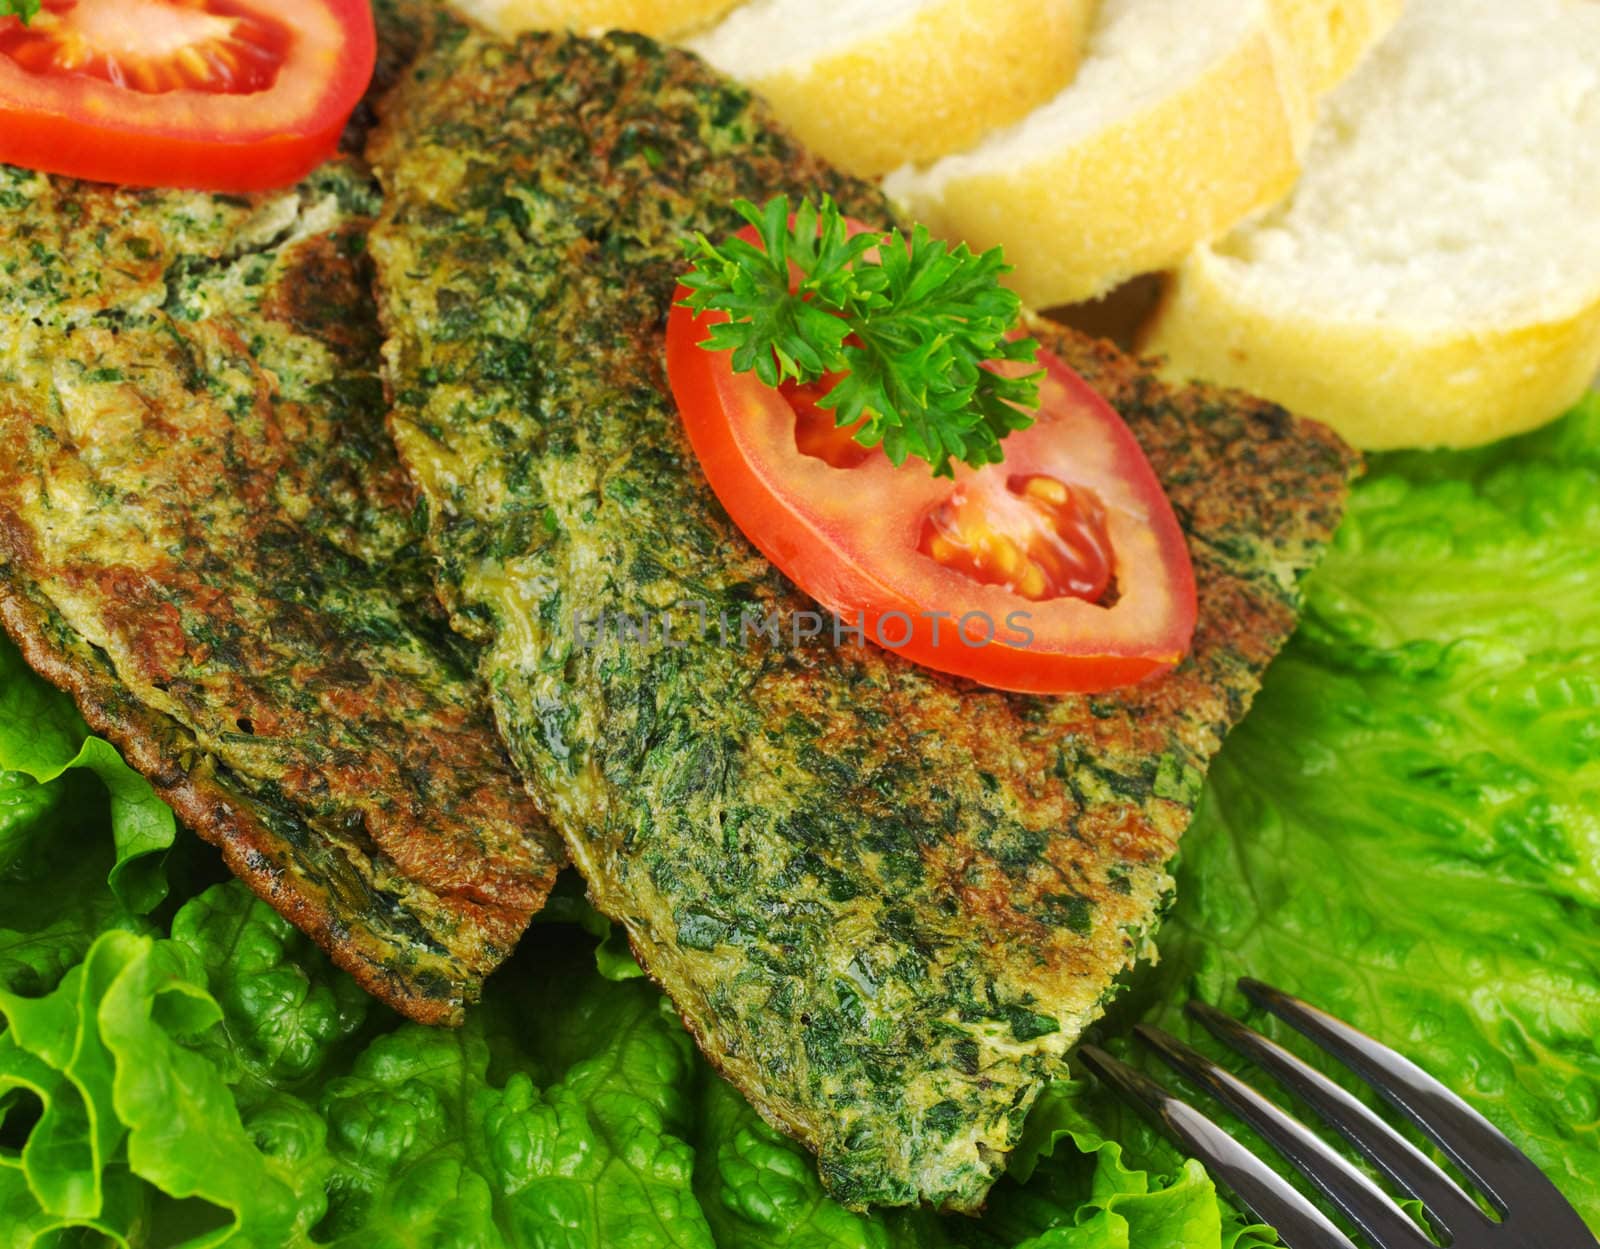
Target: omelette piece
(206,538)
(885,902)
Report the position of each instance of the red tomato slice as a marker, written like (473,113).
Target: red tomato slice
(1061,570)
(219,95)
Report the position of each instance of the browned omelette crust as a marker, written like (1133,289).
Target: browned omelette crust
(206,538)
(885,902)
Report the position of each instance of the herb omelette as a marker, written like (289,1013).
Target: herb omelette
(206,538)
(885,903)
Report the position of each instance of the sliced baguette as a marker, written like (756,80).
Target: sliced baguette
(1325,41)
(875,84)
(665,19)
(1435,278)
(1185,117)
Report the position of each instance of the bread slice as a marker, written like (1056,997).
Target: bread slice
(1435,278)
(1325,41)
(875,84)
(665,19)
(1185,117)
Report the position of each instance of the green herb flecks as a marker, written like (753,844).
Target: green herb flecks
(904,329)
(25,9)
(321,709)
(876,904)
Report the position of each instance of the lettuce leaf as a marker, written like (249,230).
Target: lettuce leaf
(288,1014)
(42,736)
(572,1110)
(1405,829)
(577,1135)
(63,880)
(119,1092)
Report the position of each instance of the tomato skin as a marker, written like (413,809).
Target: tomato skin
(848,537)
(74,148)
(85,128)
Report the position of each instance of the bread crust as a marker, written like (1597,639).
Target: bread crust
(1433,282)
(1381,383)
(906,95)
(661,18)
(1136,195)
(1326,38)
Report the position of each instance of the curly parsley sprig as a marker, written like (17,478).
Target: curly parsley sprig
(910,330)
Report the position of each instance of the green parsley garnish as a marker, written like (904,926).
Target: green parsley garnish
(909,331)
(24,9)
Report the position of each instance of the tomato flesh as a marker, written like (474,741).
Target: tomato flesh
(153,47)
(1061,570)
(815,432)
(224,95)
(1035,535)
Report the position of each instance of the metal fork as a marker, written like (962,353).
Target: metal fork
(1532,1213)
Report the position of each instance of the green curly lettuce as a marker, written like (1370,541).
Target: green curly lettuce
(60,889)
(1406,829)
(121,1095)
(760,1191)
(223,1087)
(43,738)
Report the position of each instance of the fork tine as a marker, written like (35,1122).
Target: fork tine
(1363,1201)
(1390,1152)
(1269,1196)
(1495,1165)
